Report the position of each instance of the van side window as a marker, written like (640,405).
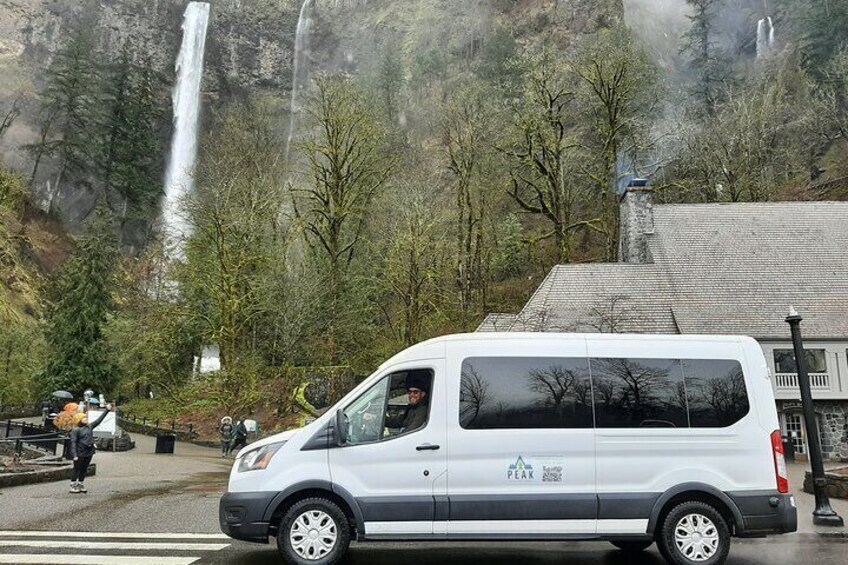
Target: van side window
(523,392)
(397,404)
(639,393)
(716,390)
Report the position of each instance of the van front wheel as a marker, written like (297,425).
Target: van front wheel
(694,533)
(314,532)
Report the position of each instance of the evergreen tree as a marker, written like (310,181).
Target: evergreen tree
(391,82)
(82,302)
(818,27)
(70,107)
(707,63)
(131,151)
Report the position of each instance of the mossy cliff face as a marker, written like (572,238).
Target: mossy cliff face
(250,44)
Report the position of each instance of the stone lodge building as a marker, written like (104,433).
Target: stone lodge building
(731,268)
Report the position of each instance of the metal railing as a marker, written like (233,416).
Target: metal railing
(21,433)
(156,425)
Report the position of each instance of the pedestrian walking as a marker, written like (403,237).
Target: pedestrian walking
(82,449)
(226,430)
(239,436)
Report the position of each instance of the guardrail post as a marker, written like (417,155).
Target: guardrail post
(8,427)
(157,423)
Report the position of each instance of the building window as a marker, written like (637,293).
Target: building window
(784,361)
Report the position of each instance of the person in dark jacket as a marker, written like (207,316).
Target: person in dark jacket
(82,449)
(226,430)
(239,436)
(417,386)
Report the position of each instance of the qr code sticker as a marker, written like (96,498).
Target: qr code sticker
(551,474)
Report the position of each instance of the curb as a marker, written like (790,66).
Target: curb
(818,536)
(42,476)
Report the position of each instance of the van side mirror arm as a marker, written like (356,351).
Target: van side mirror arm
(341,431)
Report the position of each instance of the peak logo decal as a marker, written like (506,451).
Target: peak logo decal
(520,471)
(537,469)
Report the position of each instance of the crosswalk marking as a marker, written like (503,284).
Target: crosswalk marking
(50,559)
(108,535)
(39,547)
(124,546)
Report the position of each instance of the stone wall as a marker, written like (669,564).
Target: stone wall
(837,483)
(832,416)
(833,424)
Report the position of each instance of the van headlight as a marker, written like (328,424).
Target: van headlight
(259,458)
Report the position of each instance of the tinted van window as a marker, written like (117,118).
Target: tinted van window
(639,393)
(522,392)
(716,390)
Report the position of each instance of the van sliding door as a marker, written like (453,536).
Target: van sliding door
(521,445)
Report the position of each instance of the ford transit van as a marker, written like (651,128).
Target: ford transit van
(632,439)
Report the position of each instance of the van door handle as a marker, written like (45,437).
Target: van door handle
(427,447)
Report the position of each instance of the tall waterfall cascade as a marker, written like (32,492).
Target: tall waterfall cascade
(179,176)
(300,74)
(765,37)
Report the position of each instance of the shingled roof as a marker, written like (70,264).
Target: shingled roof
(717,269)
(496,322)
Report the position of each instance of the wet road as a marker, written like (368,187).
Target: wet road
(771,551)
(139,498)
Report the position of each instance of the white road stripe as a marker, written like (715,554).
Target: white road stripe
(125,546)
(49,559)
(108,535)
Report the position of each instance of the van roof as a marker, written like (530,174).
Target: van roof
(433,348)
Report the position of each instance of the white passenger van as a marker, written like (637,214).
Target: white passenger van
(633,439)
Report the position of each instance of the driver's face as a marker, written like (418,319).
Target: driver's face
(415,395)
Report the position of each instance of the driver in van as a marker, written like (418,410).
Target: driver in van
(417,387)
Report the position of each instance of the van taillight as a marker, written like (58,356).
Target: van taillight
(779,463)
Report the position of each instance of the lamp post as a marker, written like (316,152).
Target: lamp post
(823,515)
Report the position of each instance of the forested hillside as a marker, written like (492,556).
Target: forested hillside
(434,161)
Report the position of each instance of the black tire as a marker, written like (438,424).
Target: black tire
(632,546)
(310,508)
(695,512)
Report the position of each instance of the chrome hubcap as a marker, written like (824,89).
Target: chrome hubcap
(313,535)
(696,537)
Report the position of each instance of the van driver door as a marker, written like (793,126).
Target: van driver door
(394,462)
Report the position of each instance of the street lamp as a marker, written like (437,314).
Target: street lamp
(823,515)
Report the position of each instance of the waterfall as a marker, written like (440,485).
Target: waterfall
(762,39)
(771,34)
(765,37)
(179,179)
(300,74)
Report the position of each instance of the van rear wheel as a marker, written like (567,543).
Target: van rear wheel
(632,546)
(313,532)
(694,533)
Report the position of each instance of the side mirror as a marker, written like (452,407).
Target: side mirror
(341,429)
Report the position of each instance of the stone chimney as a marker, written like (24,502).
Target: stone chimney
(637,222)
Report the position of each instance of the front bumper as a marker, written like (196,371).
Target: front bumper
(242,515)
(765,513)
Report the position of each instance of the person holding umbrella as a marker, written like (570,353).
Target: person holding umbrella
(82,449)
